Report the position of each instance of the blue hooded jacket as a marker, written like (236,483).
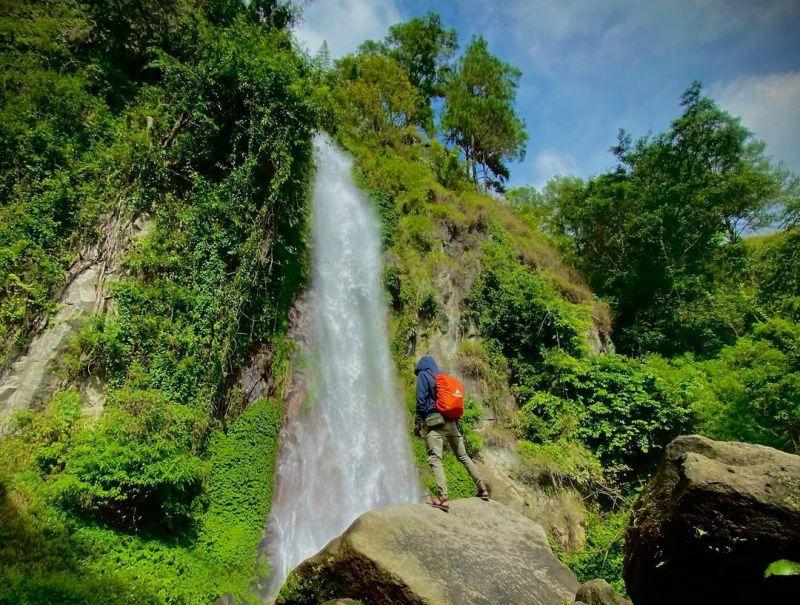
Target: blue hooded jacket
(426,372)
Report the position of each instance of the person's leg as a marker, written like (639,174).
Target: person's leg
(435,444)
(457,445)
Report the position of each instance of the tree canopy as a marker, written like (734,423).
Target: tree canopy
(479,114)
(423,48)
(649,234)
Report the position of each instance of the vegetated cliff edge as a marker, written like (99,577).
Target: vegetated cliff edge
(142,472)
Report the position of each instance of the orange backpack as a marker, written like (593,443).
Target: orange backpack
(449,396)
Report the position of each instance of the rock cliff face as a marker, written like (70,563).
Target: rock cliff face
(478,553)
(710,522)
(561,512)
(31,379)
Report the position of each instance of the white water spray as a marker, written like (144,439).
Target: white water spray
(347,450)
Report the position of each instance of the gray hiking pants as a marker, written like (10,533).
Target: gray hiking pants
(435,442)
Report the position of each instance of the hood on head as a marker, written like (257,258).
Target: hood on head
(426,362)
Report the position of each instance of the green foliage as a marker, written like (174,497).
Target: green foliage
(775,267)
(423,48)
(479,114)
(617,406)
(520,310)
(47,552)
(376,93)
(601,556)
(756,383)
(240,491)
(52,129)
(531,205)
(473,414)
(782,567)
(137,468)
(558,464)
(197,117)
(650,234)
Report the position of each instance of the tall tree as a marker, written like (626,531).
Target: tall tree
(479,114)
(650,234)
(423,47)
(377,92)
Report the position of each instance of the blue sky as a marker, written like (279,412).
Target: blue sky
(591,67)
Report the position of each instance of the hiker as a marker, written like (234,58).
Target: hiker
(440,428)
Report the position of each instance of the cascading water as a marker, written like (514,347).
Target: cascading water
(347,450)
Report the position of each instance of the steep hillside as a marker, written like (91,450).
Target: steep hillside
(490,284)
(466,277)
(155,171)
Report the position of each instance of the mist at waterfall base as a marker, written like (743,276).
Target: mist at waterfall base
(347,450)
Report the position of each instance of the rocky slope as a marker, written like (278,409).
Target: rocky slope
(32,377)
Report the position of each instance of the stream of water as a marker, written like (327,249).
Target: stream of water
(347,450)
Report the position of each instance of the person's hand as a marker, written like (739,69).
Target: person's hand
(417,427)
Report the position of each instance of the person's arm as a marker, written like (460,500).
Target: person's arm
(422,394)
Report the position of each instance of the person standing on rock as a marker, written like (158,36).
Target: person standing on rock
(440,428)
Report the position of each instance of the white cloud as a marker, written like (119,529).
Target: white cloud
(344,24)
(580,35)
(769,105)
(552,162)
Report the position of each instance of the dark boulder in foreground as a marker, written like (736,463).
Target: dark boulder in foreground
(478,553)
(711,521)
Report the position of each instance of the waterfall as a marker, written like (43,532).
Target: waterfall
(347,450)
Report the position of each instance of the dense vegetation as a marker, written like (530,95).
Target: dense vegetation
(197,117)
(702,312)
(194,117)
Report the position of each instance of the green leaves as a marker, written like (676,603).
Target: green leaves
(757,386)
(376,94)
(782,567)
(617,406)
(198,117)
(651,234)
(519,309)
(479,113)
(139,467)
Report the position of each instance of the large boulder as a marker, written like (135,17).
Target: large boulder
(709,523)
(599,592)
(478,553)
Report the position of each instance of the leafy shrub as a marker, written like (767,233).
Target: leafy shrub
(139,467)
(613,404)
(601,556)
(521,311)
(558,464)
(240,486)
(757,384)
(775,261)
(473,414)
